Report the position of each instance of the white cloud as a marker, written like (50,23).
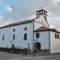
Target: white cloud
(8,9)
(51,26)
(6,22)
(54,21)
(57,0)
(26,9)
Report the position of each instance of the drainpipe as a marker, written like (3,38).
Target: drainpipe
(49,42)
(33,35)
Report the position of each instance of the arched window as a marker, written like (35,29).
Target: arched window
(25,36)
(25,28)
(13,30)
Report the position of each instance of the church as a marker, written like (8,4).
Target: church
(34,33)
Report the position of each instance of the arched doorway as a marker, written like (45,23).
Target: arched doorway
(38,45)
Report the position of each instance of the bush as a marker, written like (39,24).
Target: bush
(17,51)
(25,51)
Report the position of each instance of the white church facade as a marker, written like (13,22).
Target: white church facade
(34,33)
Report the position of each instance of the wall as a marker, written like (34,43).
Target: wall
(19,36)
(54,43)
(40,22)
(44,38)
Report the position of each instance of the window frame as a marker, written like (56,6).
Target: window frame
(25,36)
(13,30)
(13,36)
(37,35)
(3,37)
(25,28)
(56,36)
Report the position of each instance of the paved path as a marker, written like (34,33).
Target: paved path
(9,56)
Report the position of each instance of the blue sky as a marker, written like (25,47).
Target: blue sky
(16,10)
(3,4)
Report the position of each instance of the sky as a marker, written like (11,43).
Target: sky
(17,10)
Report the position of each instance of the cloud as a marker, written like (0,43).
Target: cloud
(8,9)
(26,9)
(51,26)
(54,21)
(6,22)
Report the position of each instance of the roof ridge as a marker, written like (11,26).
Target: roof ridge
(17,23)
(44,28)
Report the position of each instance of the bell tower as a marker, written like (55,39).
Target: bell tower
(41,18)
(41,12)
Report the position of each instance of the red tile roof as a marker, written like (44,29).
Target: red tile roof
(17,23)
(43,28)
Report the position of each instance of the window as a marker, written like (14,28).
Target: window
(37,35)
(13,30)
(13,36)
(3,37)
(57,36)
(25,28)
(25,36)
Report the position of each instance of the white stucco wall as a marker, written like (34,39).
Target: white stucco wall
(54,43)
(19,36)
(44,38)
(40,22)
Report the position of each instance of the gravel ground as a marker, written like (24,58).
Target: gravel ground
(9,56)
